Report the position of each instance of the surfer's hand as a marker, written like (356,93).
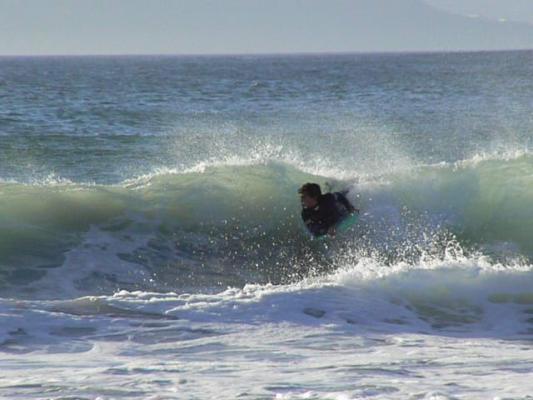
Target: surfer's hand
(332,232)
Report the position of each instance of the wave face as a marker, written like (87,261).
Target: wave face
(227,225)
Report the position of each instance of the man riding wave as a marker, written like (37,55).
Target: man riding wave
(322,212)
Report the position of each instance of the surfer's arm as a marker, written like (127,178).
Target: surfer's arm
(344,201)
(323,220)
(314,227)
(329,216)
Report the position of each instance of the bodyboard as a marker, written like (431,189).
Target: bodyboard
(342,226)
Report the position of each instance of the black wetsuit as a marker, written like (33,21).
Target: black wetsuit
(331,209)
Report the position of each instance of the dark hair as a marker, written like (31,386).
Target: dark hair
(311,189)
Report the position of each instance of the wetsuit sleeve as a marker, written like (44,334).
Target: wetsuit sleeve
(329,215)
(344,201)
(315,227)
(319,221)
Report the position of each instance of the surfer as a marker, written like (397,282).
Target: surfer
(322,212)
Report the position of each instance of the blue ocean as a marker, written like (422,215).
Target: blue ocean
(151,245)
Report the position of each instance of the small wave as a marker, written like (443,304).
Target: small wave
(451,295)
(50,180)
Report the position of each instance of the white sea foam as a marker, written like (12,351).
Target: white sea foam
(355,333)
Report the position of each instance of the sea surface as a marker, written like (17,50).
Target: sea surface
(151,245)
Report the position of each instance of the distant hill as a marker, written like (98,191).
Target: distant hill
(382,25)
(511,10)
(247,26)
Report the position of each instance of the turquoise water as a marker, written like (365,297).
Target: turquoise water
(149,217)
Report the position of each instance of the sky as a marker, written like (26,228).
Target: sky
(261,26)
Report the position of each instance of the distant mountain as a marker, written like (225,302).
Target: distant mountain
(510,10)
(356,25)
(247,26)
(381,25)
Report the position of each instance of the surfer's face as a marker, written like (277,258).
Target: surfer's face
(308,201)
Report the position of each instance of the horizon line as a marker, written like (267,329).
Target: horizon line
(282,53)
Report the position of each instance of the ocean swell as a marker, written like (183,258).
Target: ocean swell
(233,224)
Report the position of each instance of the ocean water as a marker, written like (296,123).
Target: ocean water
(151,245)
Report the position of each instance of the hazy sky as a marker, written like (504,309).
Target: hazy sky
(259,26)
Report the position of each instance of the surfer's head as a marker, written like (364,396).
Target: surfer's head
(309,194)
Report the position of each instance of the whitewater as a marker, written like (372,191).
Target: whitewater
(151,245)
